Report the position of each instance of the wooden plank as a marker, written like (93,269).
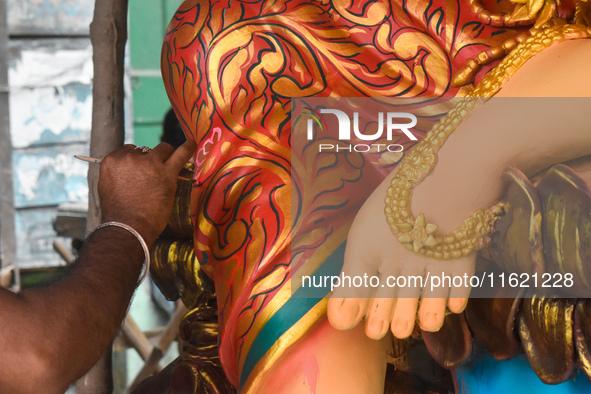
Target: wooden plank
(7,234)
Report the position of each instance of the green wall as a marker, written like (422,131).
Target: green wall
(148,20)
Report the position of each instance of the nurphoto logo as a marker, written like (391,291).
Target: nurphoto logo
(389,123)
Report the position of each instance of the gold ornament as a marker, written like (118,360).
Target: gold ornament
(415,233)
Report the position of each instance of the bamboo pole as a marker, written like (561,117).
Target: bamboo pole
(108,34)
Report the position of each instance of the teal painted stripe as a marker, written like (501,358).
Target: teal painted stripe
(290,313)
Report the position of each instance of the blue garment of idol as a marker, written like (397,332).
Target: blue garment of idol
(485,375)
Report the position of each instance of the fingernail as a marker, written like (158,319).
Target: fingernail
(457,304)
(384,327)
(381,325)
(355,311)
(401,326)
(376,328)
(430,319)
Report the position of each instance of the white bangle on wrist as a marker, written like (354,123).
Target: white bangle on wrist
(146,265)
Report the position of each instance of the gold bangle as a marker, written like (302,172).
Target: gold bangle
(415,233)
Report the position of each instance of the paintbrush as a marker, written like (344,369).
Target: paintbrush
(98,161)
(88,159)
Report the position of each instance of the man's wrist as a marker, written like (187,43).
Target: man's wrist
(141,226)
(120,241)
(138,237)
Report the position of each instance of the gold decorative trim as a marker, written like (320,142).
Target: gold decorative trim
(554,31)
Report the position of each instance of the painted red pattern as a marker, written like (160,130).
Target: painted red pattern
(231,69)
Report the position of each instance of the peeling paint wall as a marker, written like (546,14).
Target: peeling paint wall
(49,17)
(50,78)
(50,91)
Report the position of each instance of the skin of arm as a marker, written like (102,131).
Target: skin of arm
(51,336)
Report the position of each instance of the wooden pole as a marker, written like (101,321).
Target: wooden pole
(137,338)
(64,253)
(169,334)
(7,234)
(108,34)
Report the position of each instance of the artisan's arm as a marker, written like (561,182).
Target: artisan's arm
(51,336)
